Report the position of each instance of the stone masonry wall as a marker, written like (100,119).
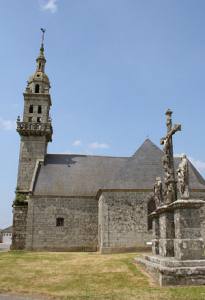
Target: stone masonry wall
(36,100)
(80,229)
(201,196)
(123,220)
(32,148)
(19,227)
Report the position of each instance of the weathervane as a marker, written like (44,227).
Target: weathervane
(43,34)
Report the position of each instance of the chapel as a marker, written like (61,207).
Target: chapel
(72,202)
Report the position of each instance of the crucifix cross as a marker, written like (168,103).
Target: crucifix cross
(167,140)
(168,158)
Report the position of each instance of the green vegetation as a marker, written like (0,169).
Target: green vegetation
(84,276)
(19,199)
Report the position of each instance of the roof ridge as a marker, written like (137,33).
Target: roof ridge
(87,155)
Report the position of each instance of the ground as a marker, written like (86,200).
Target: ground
(83,276)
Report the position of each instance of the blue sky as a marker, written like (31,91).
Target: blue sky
(115,66)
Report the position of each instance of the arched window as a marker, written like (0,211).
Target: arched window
(37,88)
(39,109)
(150,208)
(31,109)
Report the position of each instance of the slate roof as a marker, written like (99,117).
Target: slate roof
(84,175)
(7,230)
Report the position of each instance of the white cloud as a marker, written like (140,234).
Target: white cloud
(7,124)
(49,5)
(77,143)
(97,145)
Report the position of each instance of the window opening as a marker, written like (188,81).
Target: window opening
(39,109)
(60,222)
(31,109)
(37,88)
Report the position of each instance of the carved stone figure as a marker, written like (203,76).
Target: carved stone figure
(158,192)
(183,177)
(170,194)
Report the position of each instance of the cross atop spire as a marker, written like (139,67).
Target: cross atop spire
(42,38)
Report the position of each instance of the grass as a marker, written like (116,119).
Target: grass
(83,276)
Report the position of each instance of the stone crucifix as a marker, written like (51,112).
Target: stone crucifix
(170,191)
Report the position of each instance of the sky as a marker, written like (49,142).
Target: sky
(115,67)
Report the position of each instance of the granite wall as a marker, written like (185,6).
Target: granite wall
(79,232)
(117,222)
(31,149)
(19,227)
(200,195)
(123,221)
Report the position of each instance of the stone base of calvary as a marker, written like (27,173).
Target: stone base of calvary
(177,246)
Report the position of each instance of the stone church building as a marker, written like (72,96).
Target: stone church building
(72,202)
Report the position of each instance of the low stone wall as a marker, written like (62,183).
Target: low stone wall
(79,232)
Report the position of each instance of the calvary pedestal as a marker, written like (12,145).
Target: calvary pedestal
(178,252)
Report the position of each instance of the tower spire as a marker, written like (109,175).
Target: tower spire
(39,81)
(41,61)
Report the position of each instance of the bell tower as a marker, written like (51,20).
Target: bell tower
(34,128)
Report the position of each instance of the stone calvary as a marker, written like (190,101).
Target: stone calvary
(177,246)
